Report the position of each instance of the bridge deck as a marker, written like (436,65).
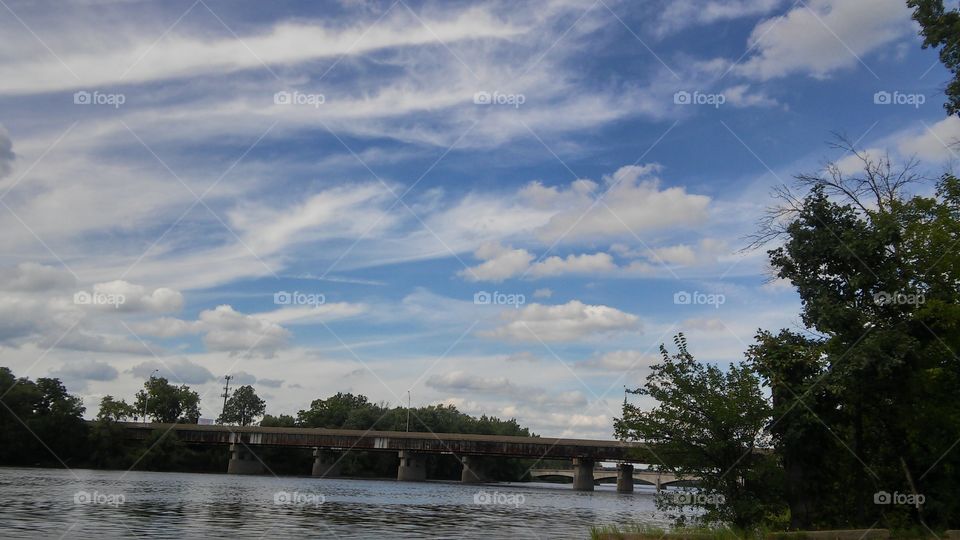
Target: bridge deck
(456,443)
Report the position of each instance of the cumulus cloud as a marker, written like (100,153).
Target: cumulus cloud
(76,374)
(618,361)
(224,329)
(35,277)
(634,204)
(175,370)
(229,330)
(566,322)
(500,263)
(138,297)
(822,36)
(460,381)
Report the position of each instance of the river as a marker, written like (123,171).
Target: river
(58,503)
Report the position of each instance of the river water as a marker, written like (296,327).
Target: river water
(57,503)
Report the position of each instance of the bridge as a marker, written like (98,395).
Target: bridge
(412,447)
(658,479)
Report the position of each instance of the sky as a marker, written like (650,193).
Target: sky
(503,206)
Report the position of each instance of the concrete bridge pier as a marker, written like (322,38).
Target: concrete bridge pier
(413,467)
(472,470)
(326,463)
(582,474)
(624,478)
(243,461)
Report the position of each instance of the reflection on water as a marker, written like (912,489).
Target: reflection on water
(47,503)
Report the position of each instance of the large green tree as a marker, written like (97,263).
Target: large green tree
(40,422)
(877,272)
(243,407)
(164,402)
(941,29)
(114,410)
(707,422)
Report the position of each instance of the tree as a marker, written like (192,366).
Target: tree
(706,423)
(164,402)
(941,28)
(333,411)
(877,272)
(39,421)
(284,420)
(113,410)
(242,407)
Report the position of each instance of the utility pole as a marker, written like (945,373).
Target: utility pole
(408,410)
(225,395)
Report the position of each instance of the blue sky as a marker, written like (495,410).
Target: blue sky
(170,170)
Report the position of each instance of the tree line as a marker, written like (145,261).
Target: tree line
(41,424)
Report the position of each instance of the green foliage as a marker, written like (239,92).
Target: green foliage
(863,409)
(941,29)
(284,420)
(111,409)
(166,403)
(40,423)
(707,423)
(242,407)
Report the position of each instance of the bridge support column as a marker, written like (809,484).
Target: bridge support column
(472,467)
(582,474)
(326,464)
(242,461)
(625,478)
(413,467)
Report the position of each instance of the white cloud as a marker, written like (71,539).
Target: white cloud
(502,263)
(132,56)
(175,370)
(939,142)
(459,381)
(633,205)
(741,96)
(225,329)
(499,263)
(542,293)
(618,361)
(566,322)
(34,277)
(678,15)
(139,298)
(81,371)
(229,330)
(822,36)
